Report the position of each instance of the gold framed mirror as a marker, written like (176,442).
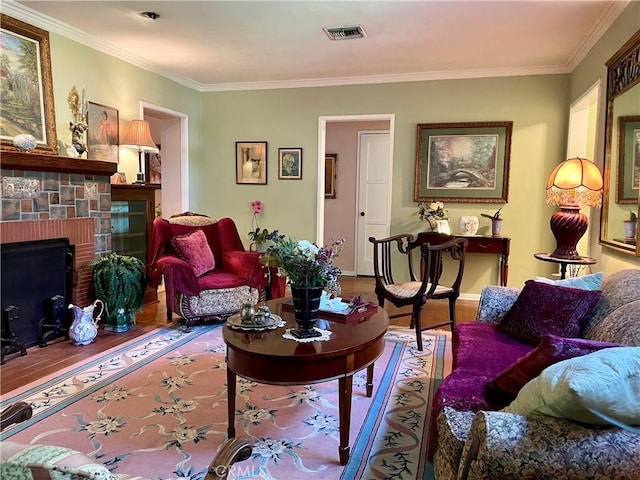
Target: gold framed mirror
(621,200)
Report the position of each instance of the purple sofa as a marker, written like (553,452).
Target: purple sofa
(471,438)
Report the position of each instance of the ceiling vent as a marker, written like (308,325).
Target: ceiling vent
(345,33)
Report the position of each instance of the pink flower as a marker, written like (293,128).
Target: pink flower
(257,206)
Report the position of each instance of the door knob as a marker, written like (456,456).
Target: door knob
(362,214)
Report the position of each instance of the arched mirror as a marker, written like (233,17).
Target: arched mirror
(621,201)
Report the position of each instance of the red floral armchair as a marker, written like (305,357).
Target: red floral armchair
(208,274)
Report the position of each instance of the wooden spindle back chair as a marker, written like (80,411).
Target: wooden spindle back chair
(420,286)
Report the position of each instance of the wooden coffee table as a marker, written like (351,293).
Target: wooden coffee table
(268,358)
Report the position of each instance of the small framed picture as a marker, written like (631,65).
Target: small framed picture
(119,178)
(103,134)
(290,163)
(330,175)
(251,163)
(153,166)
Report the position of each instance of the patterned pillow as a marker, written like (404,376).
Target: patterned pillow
(551,349)
(19,461)
(194,249)
(590,389)
(542,309)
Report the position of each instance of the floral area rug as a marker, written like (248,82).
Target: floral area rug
(156,407)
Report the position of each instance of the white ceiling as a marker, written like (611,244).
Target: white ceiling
(234,45)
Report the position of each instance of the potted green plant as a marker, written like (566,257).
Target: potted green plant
(119,281)
(261,238)
(496,222)
(630,226)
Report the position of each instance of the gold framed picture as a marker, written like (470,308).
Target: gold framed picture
(330,175)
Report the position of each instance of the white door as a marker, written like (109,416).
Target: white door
(374,195)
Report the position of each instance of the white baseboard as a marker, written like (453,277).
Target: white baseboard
(470,296)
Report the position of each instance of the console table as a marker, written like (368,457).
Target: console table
(494,245)
(545,257)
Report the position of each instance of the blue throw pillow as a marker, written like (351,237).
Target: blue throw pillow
(592,281)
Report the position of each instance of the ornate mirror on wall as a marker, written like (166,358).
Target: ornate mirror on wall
(622,150)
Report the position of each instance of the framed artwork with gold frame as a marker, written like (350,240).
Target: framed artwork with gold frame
(27,106)
(463,162)
(330,175)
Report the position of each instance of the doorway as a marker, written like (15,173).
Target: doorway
(339,217)
(582,138)
(169,129)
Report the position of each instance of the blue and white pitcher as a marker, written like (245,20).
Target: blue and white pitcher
(84,328)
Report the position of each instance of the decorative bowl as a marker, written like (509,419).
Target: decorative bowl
(25,142)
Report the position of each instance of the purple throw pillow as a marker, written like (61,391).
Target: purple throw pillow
(551,349)
(194,249)
(543,309)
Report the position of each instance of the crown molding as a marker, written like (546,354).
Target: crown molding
(21,12)
(396,78)
(598,30)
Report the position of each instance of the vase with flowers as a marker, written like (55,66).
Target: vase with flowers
(310,270)
(260,237)
(436,215)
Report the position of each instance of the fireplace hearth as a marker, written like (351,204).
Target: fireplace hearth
(36,286)
(63,198)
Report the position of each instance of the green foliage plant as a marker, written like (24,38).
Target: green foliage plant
(119,281)
(495,216)
(632,216)
(262,235)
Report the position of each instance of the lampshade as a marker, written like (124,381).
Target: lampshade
(574,183)
(139,137)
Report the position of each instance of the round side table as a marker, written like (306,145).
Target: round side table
(545,257)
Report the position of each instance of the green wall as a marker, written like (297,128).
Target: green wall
(538,106)
(118,84)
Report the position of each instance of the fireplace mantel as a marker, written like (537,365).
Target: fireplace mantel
(11,160)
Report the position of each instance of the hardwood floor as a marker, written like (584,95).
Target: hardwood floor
(41,362)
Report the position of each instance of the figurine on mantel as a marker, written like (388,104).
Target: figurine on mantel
(78,126)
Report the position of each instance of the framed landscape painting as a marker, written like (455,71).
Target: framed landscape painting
(290,163)
(628,159)
(103,133)
(463,162)
(26,86)
(251,163)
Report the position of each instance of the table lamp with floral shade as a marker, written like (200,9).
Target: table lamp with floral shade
(575,183)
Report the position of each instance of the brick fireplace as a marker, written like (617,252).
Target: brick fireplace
(47,197)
